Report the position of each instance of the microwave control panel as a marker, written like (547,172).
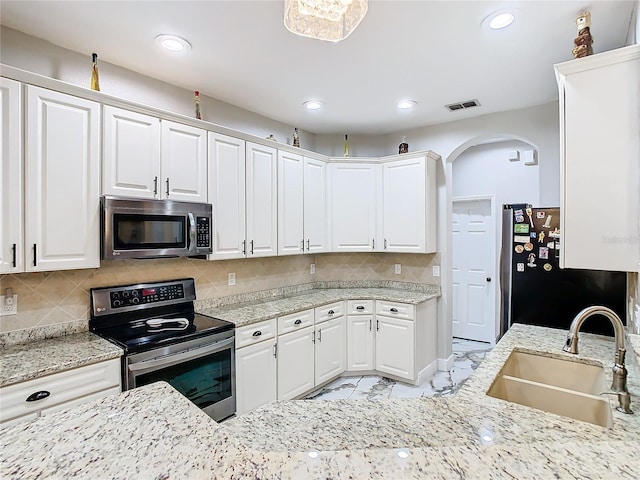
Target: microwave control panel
(203,232)
(137,296)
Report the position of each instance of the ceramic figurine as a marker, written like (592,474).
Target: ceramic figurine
(404,146)
(584,40)
(296,138)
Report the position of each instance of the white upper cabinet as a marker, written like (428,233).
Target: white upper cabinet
(408,212)
(62,192)
(183,162)
(600,161)
(262,206)
(131,164)
(315,206)
(227,195)
(290,203)
(145,157)
(353,206)
(11,178)
(302,204)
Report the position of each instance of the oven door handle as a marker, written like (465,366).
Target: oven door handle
(168,360)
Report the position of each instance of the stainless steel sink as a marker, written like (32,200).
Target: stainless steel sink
(564,387)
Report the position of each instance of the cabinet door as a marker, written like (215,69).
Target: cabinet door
(11,179)
(353,207)
(330,351)
(360,343)
(183,162)
(255,376)
(62,157)
(315,206)
(599,166)
(403,211)
(295,363)
(227,195)
(290,203)
(131,164)
(262,206)
(395,351)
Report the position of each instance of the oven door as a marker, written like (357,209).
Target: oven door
(203,370)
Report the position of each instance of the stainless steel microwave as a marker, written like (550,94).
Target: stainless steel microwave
(139,228)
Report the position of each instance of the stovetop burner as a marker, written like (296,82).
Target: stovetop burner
(141,317)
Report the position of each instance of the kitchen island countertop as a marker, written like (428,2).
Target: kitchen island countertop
(153,432)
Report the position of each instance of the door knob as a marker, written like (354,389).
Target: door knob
(488,279)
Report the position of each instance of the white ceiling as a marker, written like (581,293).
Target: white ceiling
(435,52)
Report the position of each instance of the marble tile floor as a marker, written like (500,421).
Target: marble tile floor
(468,354)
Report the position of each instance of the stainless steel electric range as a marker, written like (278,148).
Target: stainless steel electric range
(164,339)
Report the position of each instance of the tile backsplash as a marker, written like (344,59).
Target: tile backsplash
(59,297)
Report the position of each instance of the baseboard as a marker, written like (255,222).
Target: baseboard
(445,364)
(427,372)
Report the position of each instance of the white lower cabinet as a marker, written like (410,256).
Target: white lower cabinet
(255,375)
(295,363)
(395,347)
(28,400)
(330,350)
(360,343)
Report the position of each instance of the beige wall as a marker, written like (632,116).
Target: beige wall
(58,297)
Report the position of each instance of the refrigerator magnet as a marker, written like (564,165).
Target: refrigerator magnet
(547,267)
(540,214)
(541,237)
(551,245)
(520,267)
(555,233)
(543,253)
(519,218)
(519,248)
(547,222)
(521,228)
(518,213)
(520,239)
(532,234)
(531,261)
(528,246)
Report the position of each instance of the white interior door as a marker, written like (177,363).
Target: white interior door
(474,265)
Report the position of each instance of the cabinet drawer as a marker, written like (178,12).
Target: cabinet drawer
(256,332)
(396,310)
(62,387)
(295,321)
(327,312)
(355,307)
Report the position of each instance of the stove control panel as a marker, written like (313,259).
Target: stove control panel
(136,296)
(140,296)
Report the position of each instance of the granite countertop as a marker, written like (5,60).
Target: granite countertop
(252,312)
(22,362)
(152,432)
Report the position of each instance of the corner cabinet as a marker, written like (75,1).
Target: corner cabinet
(62,184)
(146,157)
(600,161)
(11,178)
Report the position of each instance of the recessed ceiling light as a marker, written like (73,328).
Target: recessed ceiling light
(173,43)
(313,104)
(407,104)
(501,19)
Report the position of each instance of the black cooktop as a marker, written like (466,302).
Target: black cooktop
(145,316)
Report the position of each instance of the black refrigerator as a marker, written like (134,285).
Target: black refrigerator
(535,291)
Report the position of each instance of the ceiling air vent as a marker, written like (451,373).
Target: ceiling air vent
(452,107)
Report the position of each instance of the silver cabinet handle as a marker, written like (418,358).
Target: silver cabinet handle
(377,325)
(244,247)
(257,333)
(167,186)
(373,243)
(302,245)
(369,324)
(331,312)
(307,244)
(297,322)
(313,337)
(14,255)
(155,186)
(393,310)
(251,247)
(359,307)
(385,243)
(320,335)
(275,350)
(34,255)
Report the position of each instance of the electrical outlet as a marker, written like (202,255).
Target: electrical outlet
(312,269)
(9,306)
(397,268)
(436,270)
(232,279)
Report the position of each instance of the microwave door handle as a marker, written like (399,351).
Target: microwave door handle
(143,367)
(192,231)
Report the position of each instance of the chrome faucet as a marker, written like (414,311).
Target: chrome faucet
(619,384)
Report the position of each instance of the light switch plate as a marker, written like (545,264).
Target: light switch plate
(232,279)
(436,270)
(312,269)
(8,308)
